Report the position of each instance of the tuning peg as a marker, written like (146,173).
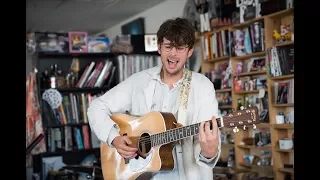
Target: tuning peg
(242,108)
(254,126)
(233,110)
(249,105)
(244,127)
(235,129)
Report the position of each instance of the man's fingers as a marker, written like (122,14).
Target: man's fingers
(126,153)
(128,148)
(207,129)
(214,126)
(127,140)
(202,135)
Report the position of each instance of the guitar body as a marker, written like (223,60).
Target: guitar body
(154,135)
(150,159)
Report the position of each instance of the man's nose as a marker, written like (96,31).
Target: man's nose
(173,51)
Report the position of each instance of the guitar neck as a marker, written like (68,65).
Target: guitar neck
(179,133)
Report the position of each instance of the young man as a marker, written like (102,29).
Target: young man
(159,89)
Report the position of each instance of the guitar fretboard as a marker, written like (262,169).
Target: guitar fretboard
(178,133)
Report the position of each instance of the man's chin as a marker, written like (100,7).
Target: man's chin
(172,71)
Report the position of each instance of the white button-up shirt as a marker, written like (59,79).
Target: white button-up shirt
(144,92)
(164,100)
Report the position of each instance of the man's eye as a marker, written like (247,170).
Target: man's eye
(167,47)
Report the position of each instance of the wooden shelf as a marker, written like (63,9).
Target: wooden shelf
(283,105)
(227,144)
(222,58)
(263,125)
(285,150)
(251,165)
(283,126)
(78,90)
(248,92)
(282,77)
(89,54)
(286,170)
(254,147)
(251,73)
(246,23)
(216,30)
(277,131)
(248,56)
(284,44)
(223,90)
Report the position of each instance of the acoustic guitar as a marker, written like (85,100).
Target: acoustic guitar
(154,135)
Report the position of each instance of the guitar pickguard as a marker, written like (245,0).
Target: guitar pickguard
(140,163)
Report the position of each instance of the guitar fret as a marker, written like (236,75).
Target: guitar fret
(196,128)
(151,139)
(163,138)
(192,129)
(166,137)
(157,139)
(177,134)
(170,136)
(180,133)
(154,140)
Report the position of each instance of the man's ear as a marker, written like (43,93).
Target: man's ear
(159,48)
(190,52)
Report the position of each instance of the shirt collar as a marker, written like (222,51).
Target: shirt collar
(158,78)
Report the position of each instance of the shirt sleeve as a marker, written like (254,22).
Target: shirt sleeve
(208,109)
(114,132)
(117,99)
(206,160)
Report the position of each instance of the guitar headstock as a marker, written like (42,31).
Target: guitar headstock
(242,119)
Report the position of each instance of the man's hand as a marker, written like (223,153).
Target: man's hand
(120,143)
(209,139)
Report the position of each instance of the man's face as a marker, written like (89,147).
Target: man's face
(173,58)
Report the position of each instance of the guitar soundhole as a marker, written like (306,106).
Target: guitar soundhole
(144,143)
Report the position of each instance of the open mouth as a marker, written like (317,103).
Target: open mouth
(172,63)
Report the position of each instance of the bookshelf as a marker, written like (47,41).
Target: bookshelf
(53,61)
(68,135)
(263,95)
(74,101)
(57,128)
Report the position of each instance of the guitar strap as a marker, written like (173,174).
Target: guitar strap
(184,95)
(182,114)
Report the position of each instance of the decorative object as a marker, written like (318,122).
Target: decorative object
(78,42)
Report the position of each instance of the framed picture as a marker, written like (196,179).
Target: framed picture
(78,42)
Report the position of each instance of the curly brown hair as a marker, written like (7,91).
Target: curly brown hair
(178,31)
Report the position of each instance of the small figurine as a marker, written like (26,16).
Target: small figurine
(276,35)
